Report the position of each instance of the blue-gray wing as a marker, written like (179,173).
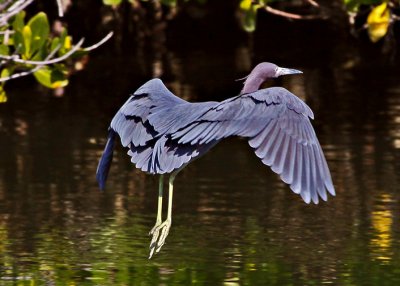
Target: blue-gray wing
(144,124)
(277,126)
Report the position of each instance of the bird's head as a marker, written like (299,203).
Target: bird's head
(261,73)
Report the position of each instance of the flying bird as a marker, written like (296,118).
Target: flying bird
(164,133)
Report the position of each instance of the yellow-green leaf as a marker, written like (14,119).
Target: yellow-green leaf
(67,43)
(378,22)
(352,5)
(27,34)
(19,42)
(18,23)
(3,96)
(112,2)
(248,15)
(40,31)
(51,78)
(245,4)
(4,50)
(249,19)
(5,73)
(54,43)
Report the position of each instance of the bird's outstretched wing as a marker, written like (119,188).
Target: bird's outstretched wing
(163,132)
(144,124)
(277,125)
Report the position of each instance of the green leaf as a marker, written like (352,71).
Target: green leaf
(63,35)
(41,54)
(352,5)
(27,34)
(245,5)
(19,42)
(65,42)
(18,23)
(3,96)
(54,43)
(112,2)
(249,19)
(4,50)
(5,73)
(249,14)
(51,77)
(40,28)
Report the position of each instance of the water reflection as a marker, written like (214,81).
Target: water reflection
(382,220)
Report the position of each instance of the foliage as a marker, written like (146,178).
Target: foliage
(380,15)
(249,15)
(112,2)
(27,46)
(378,22)
(32,42)
(354,5)
(380,12)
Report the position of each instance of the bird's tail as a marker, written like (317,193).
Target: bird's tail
(105,160)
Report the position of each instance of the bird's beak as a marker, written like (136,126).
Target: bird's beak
(284,71)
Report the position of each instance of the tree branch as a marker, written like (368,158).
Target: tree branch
(45,62)
(5,4)
(7,32)
(101,42)
(21,74)
(14,9)
(60,8)
(15,59)
(313,3)
(289,15)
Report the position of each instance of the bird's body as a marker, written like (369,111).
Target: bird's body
(164,133)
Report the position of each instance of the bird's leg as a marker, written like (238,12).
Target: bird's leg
(158,240)
(167,223)
(159,209)
(155,231)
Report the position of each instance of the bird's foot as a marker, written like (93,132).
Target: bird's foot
(159,232)
(158,223)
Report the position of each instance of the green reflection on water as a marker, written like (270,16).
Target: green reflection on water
(115,253)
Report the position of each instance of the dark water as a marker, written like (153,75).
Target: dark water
(234,221)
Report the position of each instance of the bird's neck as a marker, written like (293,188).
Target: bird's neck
(252,84)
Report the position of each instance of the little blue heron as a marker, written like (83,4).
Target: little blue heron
(165,133)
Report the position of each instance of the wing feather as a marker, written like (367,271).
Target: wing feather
(306,171)
(319,175)
(210,134)
(273,144)
(282,154)
(286,173)
(268,136)
(297,171)
(313,176)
